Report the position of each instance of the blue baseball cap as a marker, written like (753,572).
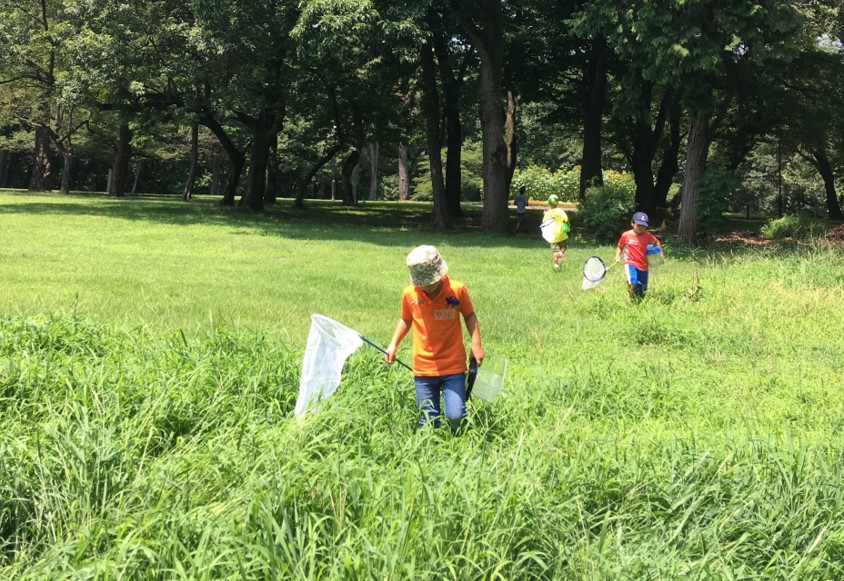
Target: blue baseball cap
(640,218)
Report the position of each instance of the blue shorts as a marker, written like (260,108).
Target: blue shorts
(637,278)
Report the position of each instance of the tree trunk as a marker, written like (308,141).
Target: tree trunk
(265,130)
(216,173)
(374,162)
(697,152)
(489,42)
(670,156)
(358,138)
(404,174)
(594,88)
(4,167)
(431,105)
(137,176)
(233,180)
(271,191)
(454,152)
(346,178)
(67,172)
(121,162)
(644,149)
(40,180)
(355,180)
(645,196)
(236,158)
(303,187)
(187,193)
(833,209)
(254,197)
(645,142)
(453,127)
(510,139)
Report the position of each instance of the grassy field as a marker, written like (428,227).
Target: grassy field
(150,353)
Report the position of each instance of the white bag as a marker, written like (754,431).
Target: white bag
(329,345)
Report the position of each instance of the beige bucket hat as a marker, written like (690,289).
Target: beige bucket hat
(426,265)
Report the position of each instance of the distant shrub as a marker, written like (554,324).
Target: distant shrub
(389,186)
(425,194)
(607,209)
(713,196)
(793,227)
(471,182)
(540,182)
(470,189)
(621,183)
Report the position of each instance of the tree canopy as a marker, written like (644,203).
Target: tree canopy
(307,97)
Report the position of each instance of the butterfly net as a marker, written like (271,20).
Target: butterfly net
(549,229)
(594,271)
(329,345)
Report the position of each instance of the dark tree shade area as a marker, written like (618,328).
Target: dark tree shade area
(704,104)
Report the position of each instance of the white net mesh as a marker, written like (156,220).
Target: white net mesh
(549,229)
(490,379)
(594,271)
(329,345)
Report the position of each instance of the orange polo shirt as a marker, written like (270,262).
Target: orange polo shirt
(437,335)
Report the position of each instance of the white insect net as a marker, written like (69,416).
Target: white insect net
(549,229)
(329,345)
(594,271)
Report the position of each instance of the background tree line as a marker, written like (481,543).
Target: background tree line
(708,105)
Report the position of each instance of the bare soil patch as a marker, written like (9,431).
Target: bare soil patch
(836,234)
(747,237)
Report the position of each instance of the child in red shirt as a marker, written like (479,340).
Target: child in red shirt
(432,307)
(633,244)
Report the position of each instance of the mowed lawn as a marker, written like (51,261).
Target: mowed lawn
(149,362)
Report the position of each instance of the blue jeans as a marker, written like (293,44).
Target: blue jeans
(453,391)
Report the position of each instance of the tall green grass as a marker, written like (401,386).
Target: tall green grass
(695,435)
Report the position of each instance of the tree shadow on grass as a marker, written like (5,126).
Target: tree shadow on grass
(381,223)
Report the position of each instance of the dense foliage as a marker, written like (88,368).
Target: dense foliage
(302,99)
(793,227)
(539,183)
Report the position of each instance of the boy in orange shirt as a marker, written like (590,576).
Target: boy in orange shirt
(431,307)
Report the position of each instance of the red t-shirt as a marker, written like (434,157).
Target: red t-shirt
(636,248)
(437,335)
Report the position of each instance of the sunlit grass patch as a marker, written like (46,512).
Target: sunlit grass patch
(149,364)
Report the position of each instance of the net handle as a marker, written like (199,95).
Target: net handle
(368,342)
